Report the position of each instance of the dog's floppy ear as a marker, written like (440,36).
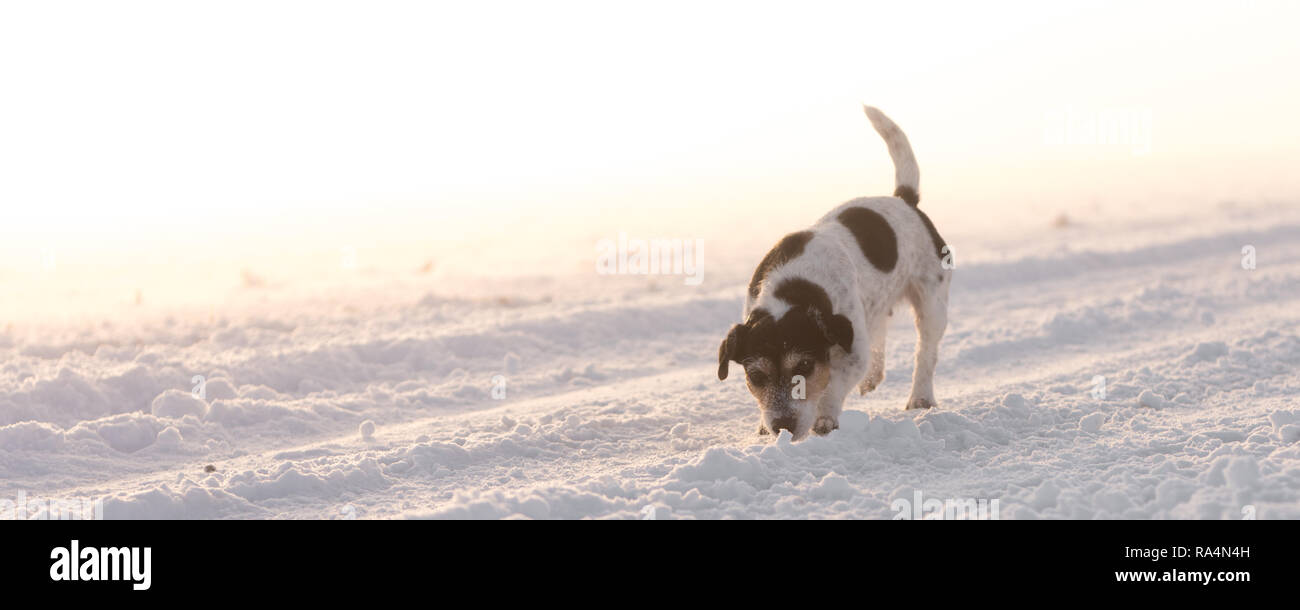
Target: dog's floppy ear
(841,332)
(732,348)
(837,329)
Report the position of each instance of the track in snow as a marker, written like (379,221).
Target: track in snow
(612,404)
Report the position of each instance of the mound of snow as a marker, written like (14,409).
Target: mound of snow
(30,436)
(128,433)
(177,404)
(1152,400)
(1092,422)
(1207,352)
(170,437)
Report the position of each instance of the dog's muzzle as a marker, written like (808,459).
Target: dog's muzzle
(784,422)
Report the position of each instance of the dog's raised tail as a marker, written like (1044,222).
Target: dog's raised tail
(907,176)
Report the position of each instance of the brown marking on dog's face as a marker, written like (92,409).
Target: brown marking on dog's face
(774,381)
(816,374)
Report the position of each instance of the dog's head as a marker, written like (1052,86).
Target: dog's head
(787,362)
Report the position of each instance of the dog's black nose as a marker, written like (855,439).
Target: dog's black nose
(783,423)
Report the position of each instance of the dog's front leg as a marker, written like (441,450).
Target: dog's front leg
(843,379)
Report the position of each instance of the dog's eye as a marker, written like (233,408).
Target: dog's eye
(804,367)
(757,378)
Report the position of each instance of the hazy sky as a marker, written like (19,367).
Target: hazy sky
(168,126)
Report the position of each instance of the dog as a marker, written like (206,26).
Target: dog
(818,304)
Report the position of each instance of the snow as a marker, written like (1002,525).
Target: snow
(579,396)
(175,403)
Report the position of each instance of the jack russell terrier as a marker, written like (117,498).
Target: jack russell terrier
(818,303)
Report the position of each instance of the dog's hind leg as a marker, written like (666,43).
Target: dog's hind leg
(930,306)
(876,363)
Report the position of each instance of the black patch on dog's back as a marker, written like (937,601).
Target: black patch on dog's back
(789,247)
(934,234)
(809,300)
(908,194)
(875,237)
(799,292)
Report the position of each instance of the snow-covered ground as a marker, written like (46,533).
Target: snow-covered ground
(373,397)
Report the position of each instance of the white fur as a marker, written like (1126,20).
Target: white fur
(906,172)
(866,295)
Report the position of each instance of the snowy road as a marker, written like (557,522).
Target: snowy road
(612,407)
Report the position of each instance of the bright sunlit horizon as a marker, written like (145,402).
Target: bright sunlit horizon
(245,131)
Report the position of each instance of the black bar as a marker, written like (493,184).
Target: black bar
(327,558)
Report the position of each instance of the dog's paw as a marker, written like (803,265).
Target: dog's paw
(762,430)
(920,403)
(824,425)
